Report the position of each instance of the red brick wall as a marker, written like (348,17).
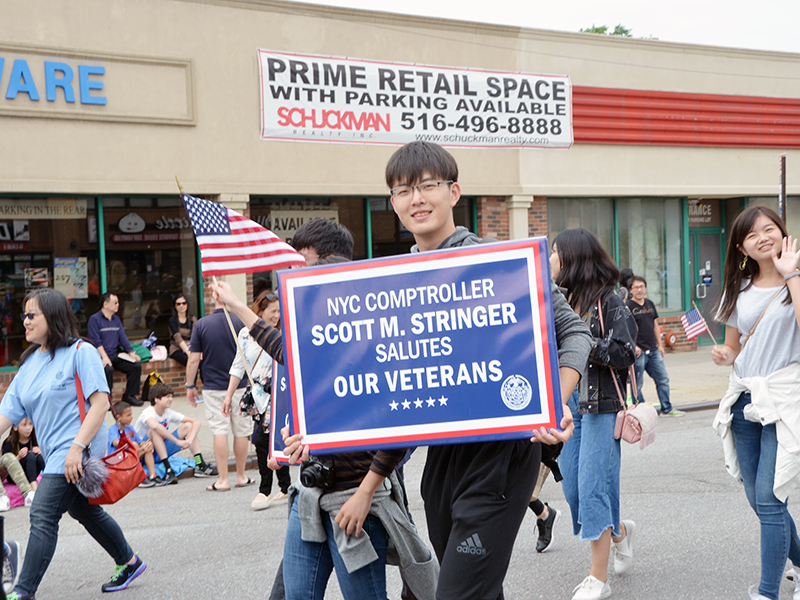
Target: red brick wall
(493,217)
(537,217)
(672,324)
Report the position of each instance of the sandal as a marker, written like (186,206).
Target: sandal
(213,488)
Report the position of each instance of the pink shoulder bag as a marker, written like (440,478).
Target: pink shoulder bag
(635,424)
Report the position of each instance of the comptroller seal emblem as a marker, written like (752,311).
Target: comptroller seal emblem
(516,392)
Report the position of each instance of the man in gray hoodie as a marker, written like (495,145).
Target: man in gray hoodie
(475,494)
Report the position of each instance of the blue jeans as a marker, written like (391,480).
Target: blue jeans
(590,464)
(652,362)
(55,496)
(756,449)
(307,566)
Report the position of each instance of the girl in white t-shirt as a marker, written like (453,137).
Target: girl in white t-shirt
(760,414)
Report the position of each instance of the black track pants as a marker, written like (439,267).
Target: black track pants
(476,496)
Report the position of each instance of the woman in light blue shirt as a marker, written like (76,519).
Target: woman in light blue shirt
(44,391)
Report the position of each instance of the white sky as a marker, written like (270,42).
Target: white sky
(764,25)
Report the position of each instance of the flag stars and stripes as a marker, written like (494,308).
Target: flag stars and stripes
(208,218)
(693,323)
(231,243)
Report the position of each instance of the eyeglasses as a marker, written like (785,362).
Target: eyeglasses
(270,297)
(426,189)
(180,304)
(29,316)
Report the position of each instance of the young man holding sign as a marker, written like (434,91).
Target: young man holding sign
(475,494)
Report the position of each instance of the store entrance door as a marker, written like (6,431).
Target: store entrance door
(706,249)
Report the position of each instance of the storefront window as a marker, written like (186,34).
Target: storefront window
(150,257)
(390,237)
(594,214)
(45,242)
(283,215)
(650,244)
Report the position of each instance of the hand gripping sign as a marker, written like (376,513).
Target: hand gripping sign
(449,346)
(279,412)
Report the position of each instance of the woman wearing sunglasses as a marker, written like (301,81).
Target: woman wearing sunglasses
(44,391)
(180,329)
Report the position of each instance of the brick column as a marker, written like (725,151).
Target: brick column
(492,217)
(537,217)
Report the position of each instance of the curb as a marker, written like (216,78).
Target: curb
(696,407)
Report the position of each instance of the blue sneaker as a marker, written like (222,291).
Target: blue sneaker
(11,561)
(124,574)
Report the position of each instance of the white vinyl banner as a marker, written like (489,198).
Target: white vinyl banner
(327,99)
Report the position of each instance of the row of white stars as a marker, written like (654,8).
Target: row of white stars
(418,403)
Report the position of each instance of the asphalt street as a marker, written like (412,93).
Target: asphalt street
(696,538)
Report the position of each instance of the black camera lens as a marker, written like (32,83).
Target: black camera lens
(315,473)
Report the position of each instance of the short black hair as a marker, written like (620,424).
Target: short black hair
(120,407)
(625,277)
(105,297)
(637,278)
(408,165)
(326,237)
(159,390)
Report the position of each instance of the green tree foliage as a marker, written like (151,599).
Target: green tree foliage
(620,30)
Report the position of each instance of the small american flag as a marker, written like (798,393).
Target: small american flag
(230,243)
(693,324)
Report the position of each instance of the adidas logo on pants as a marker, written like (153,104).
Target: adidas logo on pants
(472,545)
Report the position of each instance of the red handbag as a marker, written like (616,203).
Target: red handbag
(122,469)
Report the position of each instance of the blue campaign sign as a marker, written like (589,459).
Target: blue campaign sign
(449,346)
(279,412)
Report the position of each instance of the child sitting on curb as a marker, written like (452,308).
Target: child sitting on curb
(9,466)
(144,448)
(153,424)
(21,442)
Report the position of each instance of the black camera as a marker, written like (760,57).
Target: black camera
(316,473)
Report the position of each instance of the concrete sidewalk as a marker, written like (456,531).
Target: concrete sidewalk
(181,405)
(693,379)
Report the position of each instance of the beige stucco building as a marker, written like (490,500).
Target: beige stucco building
(104,102)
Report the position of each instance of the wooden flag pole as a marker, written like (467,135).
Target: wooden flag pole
(228,317)
(708,329)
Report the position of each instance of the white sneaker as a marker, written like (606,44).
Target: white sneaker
(280,497)
(754,595)
(11,564)
(29,499)
(5,503)
(796,579)
(261,502)
(592,588)
(623,551)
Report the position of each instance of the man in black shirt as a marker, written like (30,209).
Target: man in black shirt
(649,346)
